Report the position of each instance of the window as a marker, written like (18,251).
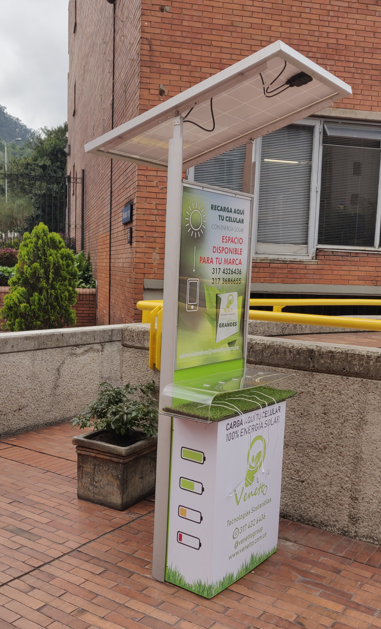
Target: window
(225,171)
(316,186)
(284,190)
(349,187)
(74,97)
(75,16)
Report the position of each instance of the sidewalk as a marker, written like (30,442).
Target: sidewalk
(67,563)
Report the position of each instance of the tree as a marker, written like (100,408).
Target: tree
(40,174)
(43,289)
(14,215)
(47,152)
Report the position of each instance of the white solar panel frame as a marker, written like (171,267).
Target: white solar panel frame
(242,111)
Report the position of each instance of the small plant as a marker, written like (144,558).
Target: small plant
(85,275)
(6,272)
(43,288)
(8,257)
(122,410)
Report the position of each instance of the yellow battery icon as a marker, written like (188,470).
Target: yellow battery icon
(191,485)
(190,514)
(195,456)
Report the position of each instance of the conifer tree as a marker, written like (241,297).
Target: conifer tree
(43,289)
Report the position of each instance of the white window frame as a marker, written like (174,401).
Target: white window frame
(289,252)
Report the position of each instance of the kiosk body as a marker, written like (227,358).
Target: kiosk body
(224,498)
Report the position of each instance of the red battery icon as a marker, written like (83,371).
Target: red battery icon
(188,540)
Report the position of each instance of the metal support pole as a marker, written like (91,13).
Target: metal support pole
(6,171)
(83,212)
(170,298)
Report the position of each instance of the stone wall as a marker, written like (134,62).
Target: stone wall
(332,454)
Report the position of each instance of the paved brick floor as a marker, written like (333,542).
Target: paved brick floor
(68,564)
(359,339)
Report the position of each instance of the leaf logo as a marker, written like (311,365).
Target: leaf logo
(255,457)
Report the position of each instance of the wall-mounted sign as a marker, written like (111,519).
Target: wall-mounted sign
(127,214)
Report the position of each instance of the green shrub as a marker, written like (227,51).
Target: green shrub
(8,257)
(122,410)
(6,272)
(43,289)
(85,275)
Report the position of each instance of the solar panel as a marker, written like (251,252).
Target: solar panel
(264,92)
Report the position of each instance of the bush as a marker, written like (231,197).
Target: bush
(85,275)
(122,410)
(6,272)
(8,257)
(43,289)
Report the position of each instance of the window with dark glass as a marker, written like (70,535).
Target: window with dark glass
(349,185)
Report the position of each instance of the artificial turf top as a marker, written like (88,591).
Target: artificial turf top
(231,404)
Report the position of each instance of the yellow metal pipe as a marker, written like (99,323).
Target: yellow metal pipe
(282,303)
(321,320)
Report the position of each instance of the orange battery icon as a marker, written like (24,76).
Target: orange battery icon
(188,540)
(190,514)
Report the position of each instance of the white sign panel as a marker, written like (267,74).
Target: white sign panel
(224,498)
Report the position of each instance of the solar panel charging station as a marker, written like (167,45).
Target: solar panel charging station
(220,438)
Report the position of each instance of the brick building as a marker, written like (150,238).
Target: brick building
(316,184)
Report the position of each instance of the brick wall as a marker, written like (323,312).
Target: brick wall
(331,267)
(178,49)
(91,70)
(85,308)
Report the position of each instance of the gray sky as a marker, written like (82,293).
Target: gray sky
(34,60)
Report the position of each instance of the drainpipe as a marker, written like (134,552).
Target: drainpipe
(111,161)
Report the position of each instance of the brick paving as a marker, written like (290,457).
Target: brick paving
(358,339)
(65,563)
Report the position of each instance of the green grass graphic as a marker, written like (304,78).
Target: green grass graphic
(208,590)
(219,412)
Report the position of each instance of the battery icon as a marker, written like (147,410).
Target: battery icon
(188,540)
(191,485)
(195,456)
(190,514)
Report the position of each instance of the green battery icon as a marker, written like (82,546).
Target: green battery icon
(195,456)
(191,485)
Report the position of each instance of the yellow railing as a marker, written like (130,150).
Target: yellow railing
(152,313)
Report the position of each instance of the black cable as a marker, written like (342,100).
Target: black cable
(198,125)
(275,92)
(276,78)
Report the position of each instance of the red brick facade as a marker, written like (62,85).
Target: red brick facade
(143,47)
(85,308)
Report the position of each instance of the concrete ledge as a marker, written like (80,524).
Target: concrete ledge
(342,360)
(33,340)
(275,328)
(136,335)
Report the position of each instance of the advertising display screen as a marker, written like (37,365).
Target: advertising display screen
(214,269)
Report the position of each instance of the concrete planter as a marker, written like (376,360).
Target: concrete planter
(113,476)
